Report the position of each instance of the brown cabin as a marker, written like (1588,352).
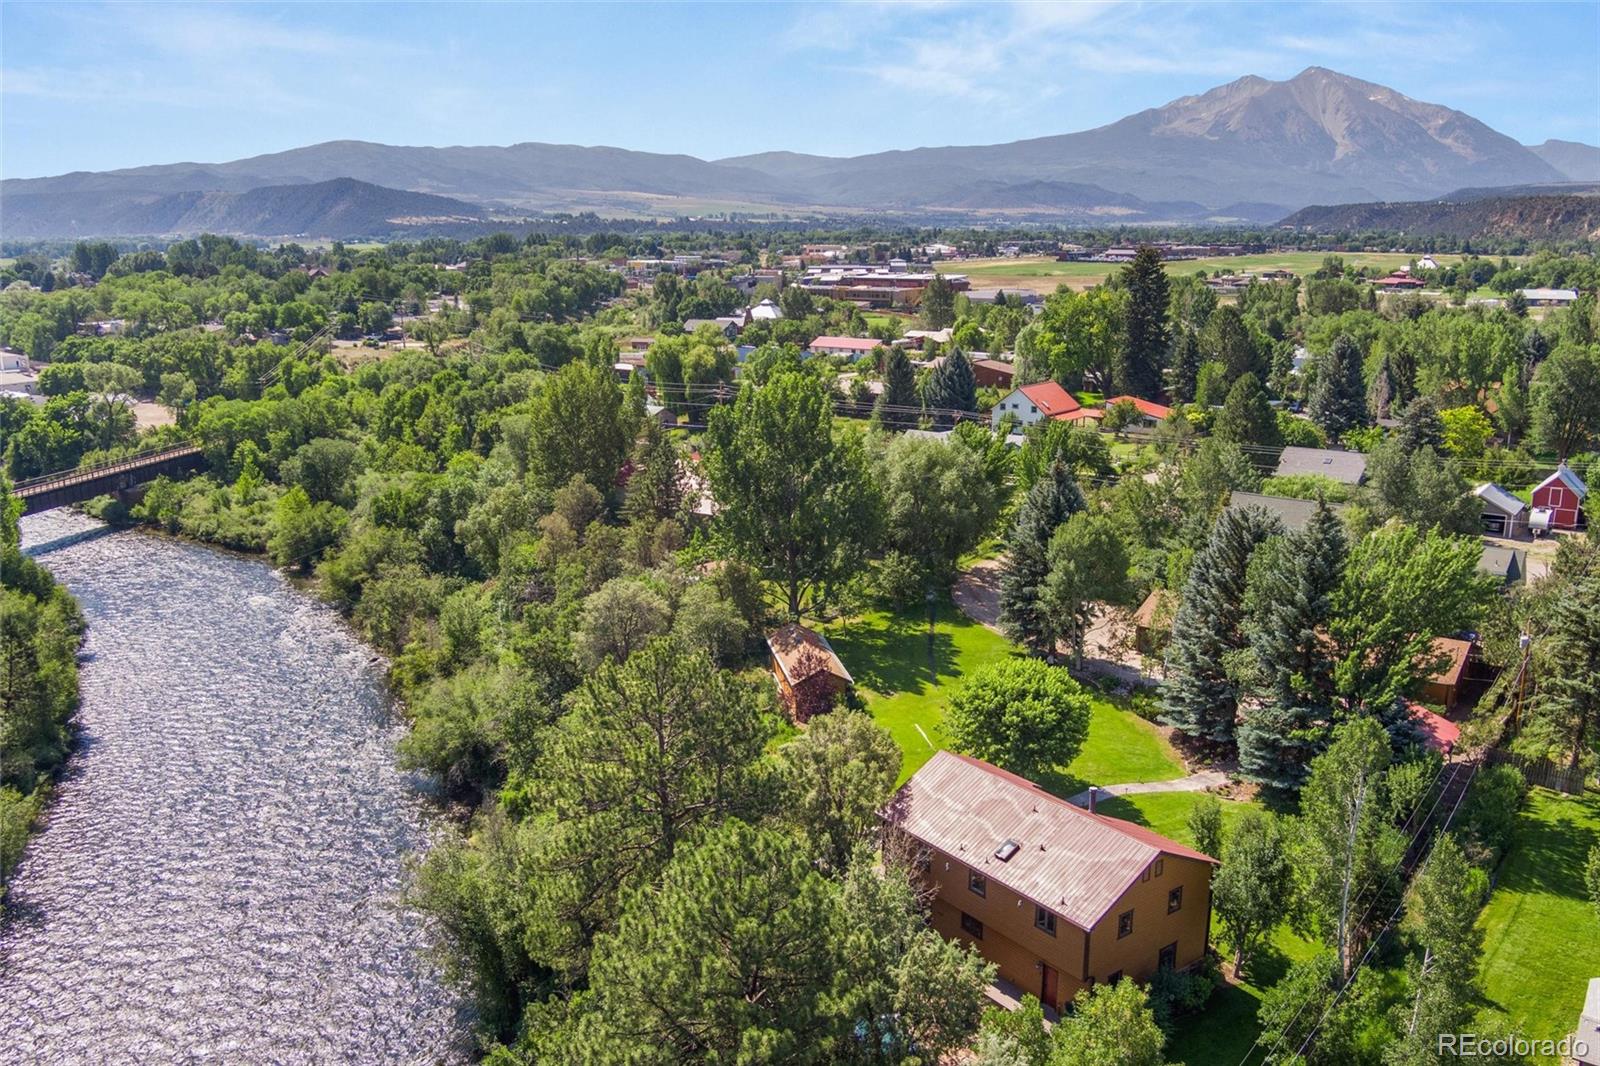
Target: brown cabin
(810,676)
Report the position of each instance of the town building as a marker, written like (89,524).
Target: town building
(1349,468)
(1549,297)
(853,348)
(993,373)
(1558,501)
(1028,404)
(809,675)
(765,311)
(1059,898)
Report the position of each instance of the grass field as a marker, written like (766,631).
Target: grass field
(1541,935)
(907,680)
(1044,275)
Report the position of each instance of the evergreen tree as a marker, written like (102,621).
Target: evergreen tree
(1420,426)
(656,490)
(1198,698)
(1566,715)
(939,303)
(1339,397)
(952,387)
(1247,417)
(1290,605)
(1185,368)
(1138,364)
(1049,503)
(1227,340)
(896,407)
(1384,390)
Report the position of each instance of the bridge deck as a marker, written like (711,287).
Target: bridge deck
(52,482)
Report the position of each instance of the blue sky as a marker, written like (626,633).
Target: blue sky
(95,86)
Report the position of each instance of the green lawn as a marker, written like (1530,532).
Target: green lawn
(1541,936)
(907,680)
(1168,812)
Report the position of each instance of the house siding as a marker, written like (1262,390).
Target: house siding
(1018,948)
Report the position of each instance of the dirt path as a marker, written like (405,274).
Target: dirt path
(1200,782)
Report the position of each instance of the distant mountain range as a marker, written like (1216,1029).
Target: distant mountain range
(1252,150)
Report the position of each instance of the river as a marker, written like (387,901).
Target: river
(222,873)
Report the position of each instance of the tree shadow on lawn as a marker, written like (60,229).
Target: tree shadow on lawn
(893,657)
(1551,848)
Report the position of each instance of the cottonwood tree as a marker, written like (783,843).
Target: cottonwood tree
(1401,588)
(1143,354)
(1290,601)
(1442,918)
(1205,825)
(1347,848)
(1198,697)
(1422,488)
(1566,399)
(1049,503)
(577,425)
(794,501)
(937,502)
(1088,566)
(1251,891)
(1023,715)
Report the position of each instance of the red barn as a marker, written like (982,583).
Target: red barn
(1560,496)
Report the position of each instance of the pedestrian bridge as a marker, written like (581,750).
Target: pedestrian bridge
(115,475)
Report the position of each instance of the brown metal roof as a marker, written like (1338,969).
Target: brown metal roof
(789,647)
(1071,862)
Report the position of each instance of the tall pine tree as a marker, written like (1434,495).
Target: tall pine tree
(1198,697)
(1050,502)
(896,407)
(1185,368)
(1339,397)
(1289,602)
(1138,366)
(951,388)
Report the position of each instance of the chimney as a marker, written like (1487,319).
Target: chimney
(1094,794)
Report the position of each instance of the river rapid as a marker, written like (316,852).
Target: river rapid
(222,873)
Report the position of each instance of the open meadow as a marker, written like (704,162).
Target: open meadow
(1043,275)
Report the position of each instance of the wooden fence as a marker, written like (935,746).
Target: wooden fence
(1542,772)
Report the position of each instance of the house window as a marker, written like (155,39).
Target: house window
(1168,959)
(1175,900)
(971,926)
(977,884)
(1113,978)
(1124,924)
(1034,408)
(1044,920)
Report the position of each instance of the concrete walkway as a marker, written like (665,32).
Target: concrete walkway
(1200,782)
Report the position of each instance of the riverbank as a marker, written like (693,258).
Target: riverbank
(225,867)
(41,630)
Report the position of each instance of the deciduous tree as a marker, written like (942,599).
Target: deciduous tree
(1020,714)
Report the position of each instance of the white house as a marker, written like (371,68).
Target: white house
(853,348)
(1028,404)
